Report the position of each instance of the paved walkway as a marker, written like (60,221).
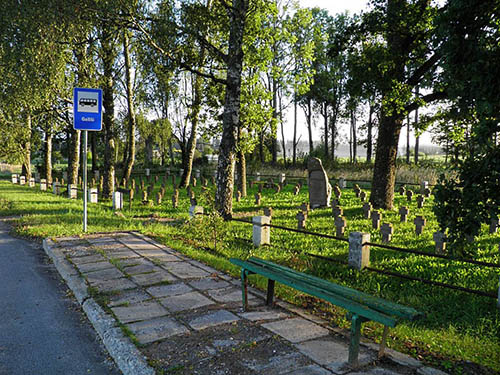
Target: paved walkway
(186,317)
(42,329)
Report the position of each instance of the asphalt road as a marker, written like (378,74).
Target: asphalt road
(42,329)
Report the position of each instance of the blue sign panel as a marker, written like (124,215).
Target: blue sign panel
(87,109)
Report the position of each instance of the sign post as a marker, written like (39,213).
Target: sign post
(87,116)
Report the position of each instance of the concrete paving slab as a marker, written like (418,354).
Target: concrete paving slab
(264,315)
(90,267)
(88,259)
(187,301)
(209,283)
(151,253)
(165,258)
(81,252)
(148,331)
(309,370)
(141,268)
(296,329)
(128,297)
(185,270)
(114,285)
(125,254)
(203,267)
(430,371)
(277,364)
(133,262)
(213,319)
(103,275)
(402,359)
(146,279)
(332,354)
(169,290)
(227,295)
(139,311)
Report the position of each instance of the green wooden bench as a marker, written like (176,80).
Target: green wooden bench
(361,307)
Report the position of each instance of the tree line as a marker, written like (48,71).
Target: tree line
(175,72)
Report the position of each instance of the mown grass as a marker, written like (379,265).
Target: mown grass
(457,326)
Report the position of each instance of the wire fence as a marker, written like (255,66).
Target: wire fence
(387,272)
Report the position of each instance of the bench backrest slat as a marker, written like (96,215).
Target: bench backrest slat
(319,292)
(386,307)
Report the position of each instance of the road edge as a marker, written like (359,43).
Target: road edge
(127,357)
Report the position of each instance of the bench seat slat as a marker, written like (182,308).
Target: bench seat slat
(319,292)
(386,307)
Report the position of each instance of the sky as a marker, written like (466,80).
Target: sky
(334,7)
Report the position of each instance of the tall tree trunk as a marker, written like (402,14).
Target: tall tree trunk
(26,167)
(274,140)
(283,141)
(241,168)
(325,117)
(108,60)
(231,114)
(408,139)
(131,108)
(73,156)
(308,111)
(354,136)
(384,171)
(93,150)
(369,141)
(47,157)
(294,143)
(261,147)
(415,126)
(194,116)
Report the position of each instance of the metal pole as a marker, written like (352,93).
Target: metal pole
(84,180)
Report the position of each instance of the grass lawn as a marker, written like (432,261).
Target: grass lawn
(458,326)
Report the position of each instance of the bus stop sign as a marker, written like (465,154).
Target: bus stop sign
(87,109)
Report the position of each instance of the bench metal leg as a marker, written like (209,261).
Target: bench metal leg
(244,288)
(355,337)
(270,292)
(382,342)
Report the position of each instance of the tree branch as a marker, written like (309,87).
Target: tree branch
(417,75)
(440,95)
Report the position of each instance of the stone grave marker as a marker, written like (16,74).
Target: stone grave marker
(93,195)
(148,171)
(357,190)
(420,201)
(296,190)
(367,210)
(376,217)
(117,201)
(14,178)
(181,172)
(261,232)
(362,196)
(144,196)
(404,212)
(195,211)
(342,183)
(204,182)
(402,190)
(101,183)
(427,192)
(282,178)
(238,196)
(197,173)
(337,191)
(158,199)
(96,174)
(409,195)
(494,224)
(419,222)
(301,220)
(257,176)
(194,182)
(56,188)
(72,192)
(424,185)
(320,189)
(175,198)
(258,198)
(337,211)
(130,198)
(31,182)
(22,180)
(387,230)
(268,211)
(43,184)
(340,224)
(193,201)
(440,242)
(277,188)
